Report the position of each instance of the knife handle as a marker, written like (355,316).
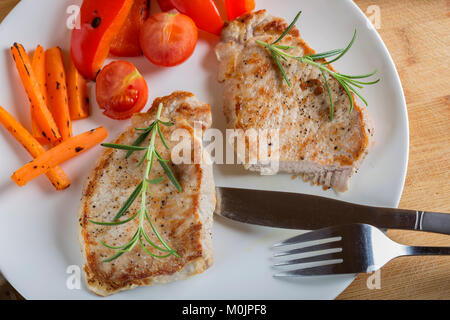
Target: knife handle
(432,222)
(309,212)
(416,220)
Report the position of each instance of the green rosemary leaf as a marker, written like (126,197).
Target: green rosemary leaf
(114,248)
(281,56)
(329,95)
(113,223)
(363,76)
(350,81)
(123,147)
(279,46)
(161,136)
(128,249)
(129,201)
(288,28)
(132,243)
(138,142)
(155,245)
(345,50)
(264,44)
(117,255)
(142,159)
(159,236)
(114,257)
(349,94)
(147,129)
(324,55)
(152,254)
(150,159)
(155,181)
(169,174)
(358,94)
(167,123)
(275,57)
(366,83)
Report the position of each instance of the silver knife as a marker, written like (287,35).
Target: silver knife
(308,212)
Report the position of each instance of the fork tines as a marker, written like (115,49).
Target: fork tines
(321,248)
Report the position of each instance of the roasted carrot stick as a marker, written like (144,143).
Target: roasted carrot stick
(59,154)
(38,66)
(77,91)
(56,175)
(57,91)
(44,118)
(36,132)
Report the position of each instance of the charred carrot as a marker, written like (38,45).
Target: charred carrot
(57,91)
(77,91)
(36,132)
(44,118)
(59,154)
(38,66)
(56,175)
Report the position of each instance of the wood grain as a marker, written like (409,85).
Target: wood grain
(6,6)
(417,34)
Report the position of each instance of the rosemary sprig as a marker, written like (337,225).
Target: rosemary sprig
(142,189)
(350,83)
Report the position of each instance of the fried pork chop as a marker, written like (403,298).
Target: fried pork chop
(184,219)
(324,152)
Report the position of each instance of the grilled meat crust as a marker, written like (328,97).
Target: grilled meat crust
(184,219)
(256,96)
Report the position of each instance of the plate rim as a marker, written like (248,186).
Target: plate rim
(402,96)
(396,79)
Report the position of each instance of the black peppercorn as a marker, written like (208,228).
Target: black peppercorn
(96,22)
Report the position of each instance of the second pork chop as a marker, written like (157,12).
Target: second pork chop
(324,152)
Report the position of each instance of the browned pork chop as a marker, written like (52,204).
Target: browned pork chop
(184,219)
(256,96)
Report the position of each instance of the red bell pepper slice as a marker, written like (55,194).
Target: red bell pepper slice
(236,8)
(204,13)
(126,41)
(100,21)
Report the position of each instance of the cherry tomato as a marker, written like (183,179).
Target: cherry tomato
(203,12)
(168,39)
(126,42)
(100,21)
(121,90)
(165,5)
(236,8)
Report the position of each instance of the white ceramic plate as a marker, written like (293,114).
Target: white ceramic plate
(38,238)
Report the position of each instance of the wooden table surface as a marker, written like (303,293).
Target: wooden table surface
(417,34)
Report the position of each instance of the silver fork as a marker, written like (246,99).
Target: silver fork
(352,248)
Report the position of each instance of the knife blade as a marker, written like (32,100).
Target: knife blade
(309,212)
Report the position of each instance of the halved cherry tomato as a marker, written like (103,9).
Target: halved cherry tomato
(100,21)
(236,8)
(126,42)
(168,39)
(165,5)
(121,90)
(203,12)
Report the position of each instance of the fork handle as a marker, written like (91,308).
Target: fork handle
(426,251)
